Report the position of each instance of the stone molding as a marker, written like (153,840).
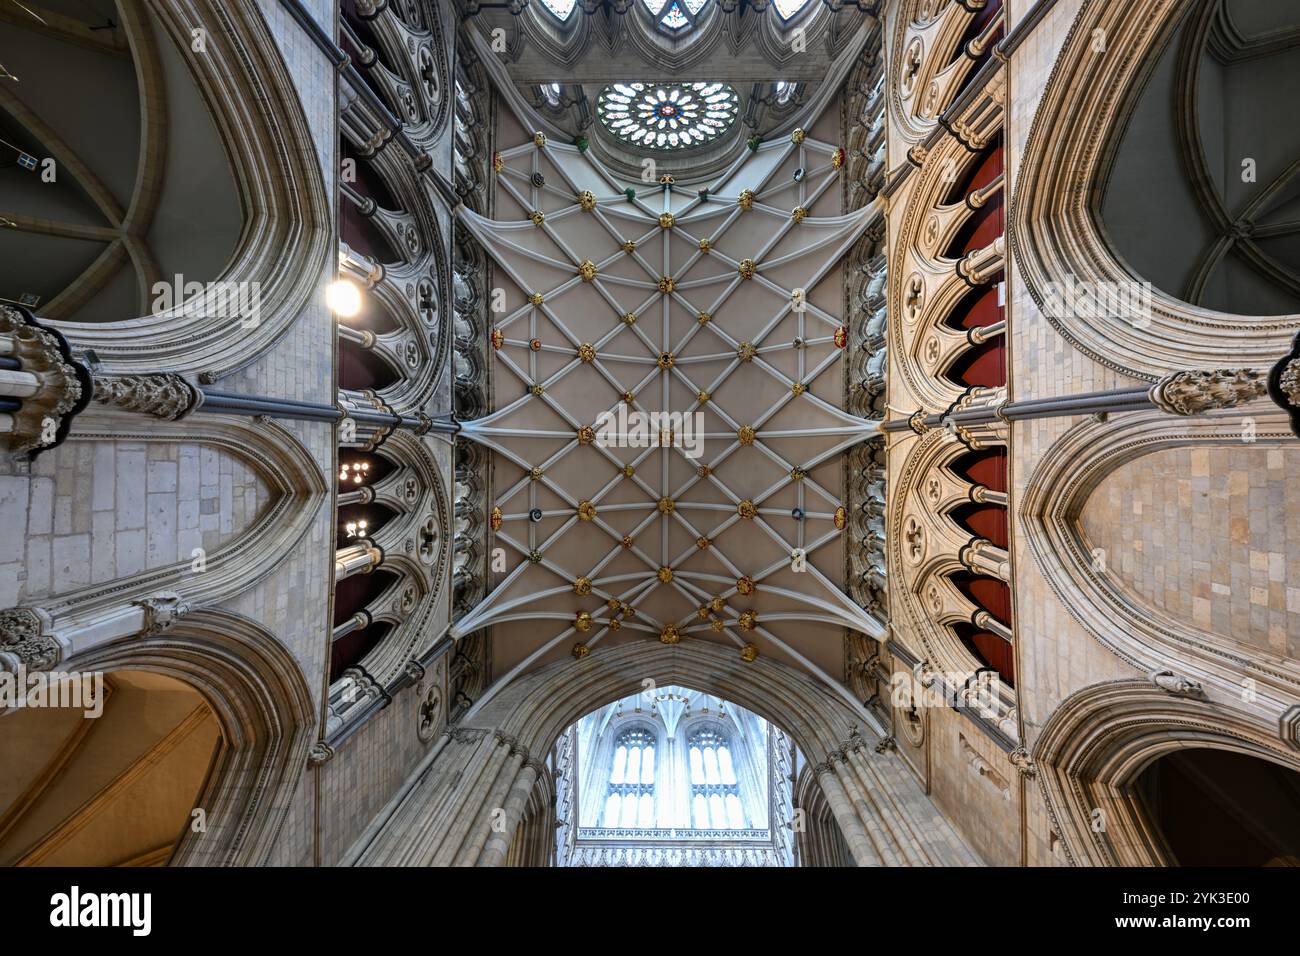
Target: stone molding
(1055,227)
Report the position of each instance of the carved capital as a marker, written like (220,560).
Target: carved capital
(162,611)
(1176,684)
(1289,382)
(24,641)
(414,670)
(39,421)
(1201,390)
(320,753)
(1021,761)
(1284,384)
(167,395)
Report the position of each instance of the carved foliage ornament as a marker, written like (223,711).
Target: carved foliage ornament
(60,391)
(1200,390)
(167,396)
(21,635)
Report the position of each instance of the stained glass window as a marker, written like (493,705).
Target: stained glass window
(675,15)
(560,8)
(667,115)
(788,8)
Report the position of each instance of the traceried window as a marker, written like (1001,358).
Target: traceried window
(560,9)
(630,800)
(715,791)
(789,9)
(667,115)
(675,16)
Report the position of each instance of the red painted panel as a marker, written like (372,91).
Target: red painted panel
(982,228)
(987,521)
(986,170)
(997,653)
(987,468)
(988,593)
(985,365)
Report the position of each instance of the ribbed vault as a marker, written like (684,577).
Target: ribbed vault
(718,302)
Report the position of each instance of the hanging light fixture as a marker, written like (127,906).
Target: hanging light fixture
(357,471)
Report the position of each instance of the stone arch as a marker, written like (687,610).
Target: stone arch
(1056,231)
(1100,740)
(1144,636)
(266,715)
(926,545)
(285,243)
(927,64)
(445,814)
(294,481)
(424,574)
(927,286)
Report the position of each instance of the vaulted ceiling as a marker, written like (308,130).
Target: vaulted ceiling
(135,166)
(718,298)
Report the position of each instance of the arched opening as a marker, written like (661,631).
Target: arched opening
(1221,808)
(103,769)
(513,743)
(674,777)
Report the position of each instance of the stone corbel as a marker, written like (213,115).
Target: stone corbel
(39,640)
(1021,760)
(50,387)
(1202,390)
(1176,684)
(167,396)
(161,612)
(320,753)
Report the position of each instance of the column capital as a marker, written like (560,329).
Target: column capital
(62,385)
(165,395)
(1193,391)
(25,641)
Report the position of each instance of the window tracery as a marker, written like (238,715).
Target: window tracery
(676,15)
(715,791)
(667,115)
(560,9)
(630,799)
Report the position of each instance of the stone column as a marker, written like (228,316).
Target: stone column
(982,556)
(1188,392)
(355,623)
(40,386)
(478,822)
(847,818)
(494,852)
(360,558)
